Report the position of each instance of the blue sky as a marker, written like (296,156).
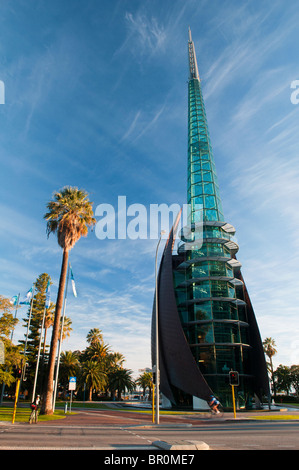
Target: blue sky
(96,97)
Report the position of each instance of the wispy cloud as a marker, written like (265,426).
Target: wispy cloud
(132,126)
(248,44)
(147,126)
(272,182)
(142,123)
(265,89)
(145,34)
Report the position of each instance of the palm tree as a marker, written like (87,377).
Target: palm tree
(270,351)
(93,375)
(145,381)
(69,366)
(97,352)
(69,362)
(69,216)
(94,336)
(120,380)
(66,330)
(115,360)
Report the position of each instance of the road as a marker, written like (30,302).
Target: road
(119,430)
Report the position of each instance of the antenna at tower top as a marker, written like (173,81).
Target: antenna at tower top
(192,59)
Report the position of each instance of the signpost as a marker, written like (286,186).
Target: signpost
(72,386)
(17,375)
(153,401)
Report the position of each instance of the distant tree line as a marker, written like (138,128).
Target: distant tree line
(100,371)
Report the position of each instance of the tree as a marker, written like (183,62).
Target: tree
(97,352)
(35,332)
(270,351)
(145,381)
(49,320)
(94,336)
(7,321)
(294,372)
(12,354)
(93,375)
(66,330)
(120,379)
(37,312)
(69,366)
(115,360)
(283,379)
(69,216)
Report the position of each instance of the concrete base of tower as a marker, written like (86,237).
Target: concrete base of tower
(200,404)
(165,403)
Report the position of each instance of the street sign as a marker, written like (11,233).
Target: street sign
(72,383)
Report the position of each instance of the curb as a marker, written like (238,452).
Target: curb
(181,445)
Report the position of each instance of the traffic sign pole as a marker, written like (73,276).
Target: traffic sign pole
(72,386)
(234,402)
(16,400)
(153,402)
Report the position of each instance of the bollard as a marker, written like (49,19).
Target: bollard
(65,408)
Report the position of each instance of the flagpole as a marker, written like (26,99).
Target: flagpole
(38,355)
(25,346)
(29,321)
(13,328)
(60,340)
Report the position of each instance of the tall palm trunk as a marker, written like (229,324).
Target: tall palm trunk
(47,407)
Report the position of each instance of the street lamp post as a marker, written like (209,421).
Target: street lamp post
(157,414)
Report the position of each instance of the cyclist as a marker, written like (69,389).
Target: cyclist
(34,408)
(214,404)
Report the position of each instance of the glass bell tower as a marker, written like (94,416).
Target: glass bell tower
(210,291)
(207,326)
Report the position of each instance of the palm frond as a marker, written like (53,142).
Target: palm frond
(69,215)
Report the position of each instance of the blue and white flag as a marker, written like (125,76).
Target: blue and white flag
(48,295)
(27,299)
(73,283)
(14,300)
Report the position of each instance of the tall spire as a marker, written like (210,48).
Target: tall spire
(203,190)
(192,58)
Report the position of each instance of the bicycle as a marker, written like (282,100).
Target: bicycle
(218,413)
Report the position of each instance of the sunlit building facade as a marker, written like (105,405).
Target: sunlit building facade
(207,325)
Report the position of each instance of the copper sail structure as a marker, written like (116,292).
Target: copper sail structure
(207,325)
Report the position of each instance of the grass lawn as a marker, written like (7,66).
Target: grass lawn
(98,406)
(277,417)
(22,414)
